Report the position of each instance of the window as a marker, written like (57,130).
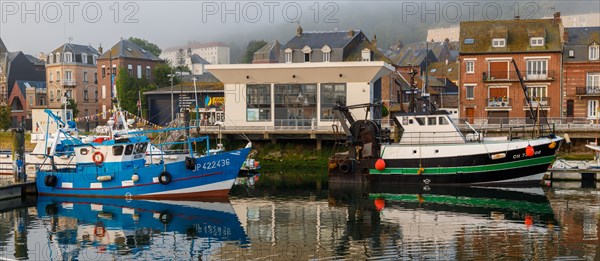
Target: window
(130,70)
(536,41)
(498,42)
(103,72)
(288,55)
(68,57)
(50,58)
(139,72)
(258,102)
(431,121)
(30,100)
(51,96)
(470,92)
(68,75)
(420,120)
(295,105)
(537,93)
(85,77)
(594,51)
(129,149)
(443,121)
(469,41)
(51,77)
(537,69)
(58,76)
(326,53)
(592,109)
(571,53)
(58,96)
(366,55)
(95,95)
(593,83)
(85,95)
(148,72)
(94,59)
(84,58)
(470,66)
(95,77)
(103,92)
(117,150)
(58,57)
(331,94)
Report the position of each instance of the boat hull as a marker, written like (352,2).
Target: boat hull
(212,176)
(499,162)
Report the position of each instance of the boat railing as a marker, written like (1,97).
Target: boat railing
(448,137)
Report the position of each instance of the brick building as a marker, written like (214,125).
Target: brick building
(489,87)
(581,73)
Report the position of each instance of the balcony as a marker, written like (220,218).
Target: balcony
(498,103)
(511,76)
(542,102)
(69,83)
(588,91)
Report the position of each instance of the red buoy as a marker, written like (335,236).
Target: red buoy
(529,151)
(379,204)
(528,220)
(380,164)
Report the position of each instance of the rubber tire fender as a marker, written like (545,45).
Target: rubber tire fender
(50,180)
(164,178)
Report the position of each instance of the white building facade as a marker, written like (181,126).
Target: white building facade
(214,54)
(296,95)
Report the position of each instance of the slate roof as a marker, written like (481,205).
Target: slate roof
(518,33)
(196,59)
(318,39)
(441,69)
(35,84)
(2,47)
(579,39)
(76,49)
(356,53)
(128,49)
(34,60)
(415,53)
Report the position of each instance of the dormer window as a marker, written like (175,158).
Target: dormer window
(499,42)
(288,55)
(571,53)
(58,60)
(84,58)
(326,53)
(68,57)
(594,51)
(536,41)
(94,58)
(366,55)
(306,50)
(50,58)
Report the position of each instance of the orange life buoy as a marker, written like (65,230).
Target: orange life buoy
(99,230)
(98,157)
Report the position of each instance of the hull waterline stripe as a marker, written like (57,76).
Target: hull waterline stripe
(466,169)
(144,184)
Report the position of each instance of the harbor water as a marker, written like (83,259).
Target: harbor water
(313,223)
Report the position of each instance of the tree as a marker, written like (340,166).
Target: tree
(4,117)
(129,90)
(161,75)
(252,47)
(148,46)
(72,105)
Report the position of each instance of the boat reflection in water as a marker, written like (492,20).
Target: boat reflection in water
(102,228)
(452,222)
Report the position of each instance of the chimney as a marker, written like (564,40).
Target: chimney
(351,33)
(42,56)
(100,49)
(374,40)
(299,31)
(557,18)
(566,36)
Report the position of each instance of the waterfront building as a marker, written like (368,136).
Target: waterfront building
(71,72)
(24,96)
(296,95)
(489,87)
(16,66)
(581,57)
(125,54)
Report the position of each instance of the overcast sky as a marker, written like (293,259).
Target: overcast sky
(41,26)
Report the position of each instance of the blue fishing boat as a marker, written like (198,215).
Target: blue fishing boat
(106,223)
(116,167)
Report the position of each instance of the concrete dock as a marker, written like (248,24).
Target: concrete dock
(10,189)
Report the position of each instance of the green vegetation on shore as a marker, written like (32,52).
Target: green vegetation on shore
(6,141)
